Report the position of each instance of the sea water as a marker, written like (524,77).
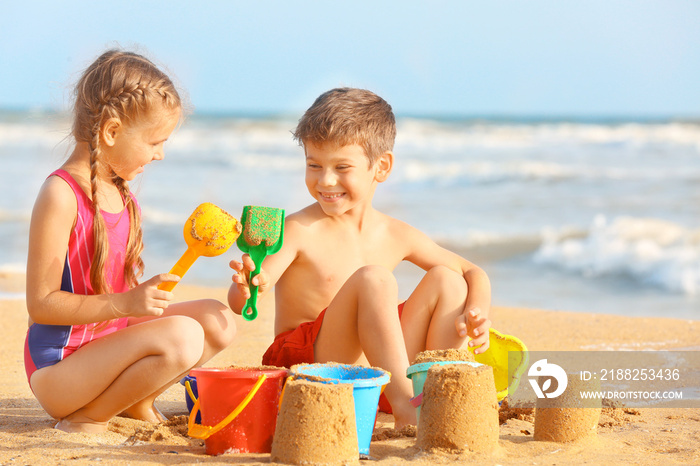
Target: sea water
(599,216)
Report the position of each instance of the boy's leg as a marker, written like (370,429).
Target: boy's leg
(429,315)
(362,322)
(219,327)
(110,374)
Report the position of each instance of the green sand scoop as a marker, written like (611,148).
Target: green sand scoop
(263,229)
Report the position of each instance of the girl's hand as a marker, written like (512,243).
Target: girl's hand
(473,324)
(146,299)
(241,273)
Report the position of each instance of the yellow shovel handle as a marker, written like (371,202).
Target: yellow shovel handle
(203,432)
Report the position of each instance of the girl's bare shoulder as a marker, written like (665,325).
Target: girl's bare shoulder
(57,195)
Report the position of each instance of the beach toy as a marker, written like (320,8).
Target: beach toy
(239,408)
(263,230)
(191,394)
(368,383)
(418,373)
(209,231)
(316,424)
(509,358)
(504,351)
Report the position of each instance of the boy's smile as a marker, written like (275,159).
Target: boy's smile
(339,178)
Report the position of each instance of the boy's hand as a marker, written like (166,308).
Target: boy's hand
(145,299)
(472,323)
(242,271)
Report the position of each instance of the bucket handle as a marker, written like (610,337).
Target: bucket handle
(200,431)
(188,388)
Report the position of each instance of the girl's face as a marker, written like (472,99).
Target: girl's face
(339,178)
(130,147)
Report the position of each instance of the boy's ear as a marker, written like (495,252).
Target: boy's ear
(383,165)
(109,131)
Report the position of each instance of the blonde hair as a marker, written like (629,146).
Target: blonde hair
(125,86)
(344,116)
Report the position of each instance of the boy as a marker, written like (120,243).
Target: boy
(336,297)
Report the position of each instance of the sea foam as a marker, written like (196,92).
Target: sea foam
(649,250)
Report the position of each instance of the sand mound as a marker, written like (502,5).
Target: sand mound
(173,431)
(387,434)
(450,354)
(522,413)
(568,418)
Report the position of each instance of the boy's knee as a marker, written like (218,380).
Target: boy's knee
(447,279)
(376,277)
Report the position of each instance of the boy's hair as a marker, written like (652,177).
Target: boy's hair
(346,116)
(125,86)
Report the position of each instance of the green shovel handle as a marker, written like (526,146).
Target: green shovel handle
(250,310)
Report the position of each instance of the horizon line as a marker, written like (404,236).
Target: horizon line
(512,117)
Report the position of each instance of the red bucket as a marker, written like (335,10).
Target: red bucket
(239,408)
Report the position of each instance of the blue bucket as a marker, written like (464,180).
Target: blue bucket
(367,386)
(419,372)
(188,399)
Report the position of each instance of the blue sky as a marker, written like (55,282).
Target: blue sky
(510,58)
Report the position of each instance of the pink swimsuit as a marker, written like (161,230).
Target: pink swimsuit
(46,345)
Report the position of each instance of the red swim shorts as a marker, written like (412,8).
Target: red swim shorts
(294,346)
(297,347)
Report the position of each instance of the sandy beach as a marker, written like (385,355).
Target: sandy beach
(632,436)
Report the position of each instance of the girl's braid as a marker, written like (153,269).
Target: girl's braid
(125,86)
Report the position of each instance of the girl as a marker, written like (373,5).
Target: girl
(100,344)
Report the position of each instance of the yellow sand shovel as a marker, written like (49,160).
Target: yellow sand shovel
(504,351)
(209,231)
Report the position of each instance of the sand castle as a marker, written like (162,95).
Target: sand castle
(568,417)
(449,354)
(316,424)
(460,409)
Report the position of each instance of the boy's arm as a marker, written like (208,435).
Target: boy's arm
(271,270)
(474,321)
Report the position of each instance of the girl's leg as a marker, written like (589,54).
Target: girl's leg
(362,321)
(110,374)
(219,331)
(216,320)
(429,315)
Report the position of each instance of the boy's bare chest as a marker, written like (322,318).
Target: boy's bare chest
(334,262)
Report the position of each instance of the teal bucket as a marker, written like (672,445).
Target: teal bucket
(418,373)
(367,386)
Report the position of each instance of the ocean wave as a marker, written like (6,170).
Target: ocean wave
(428,134)
(13,268)
(205,133)
(160,217)
(33,135)
(15,216)
(415,170)
(649,250)
(470,171)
